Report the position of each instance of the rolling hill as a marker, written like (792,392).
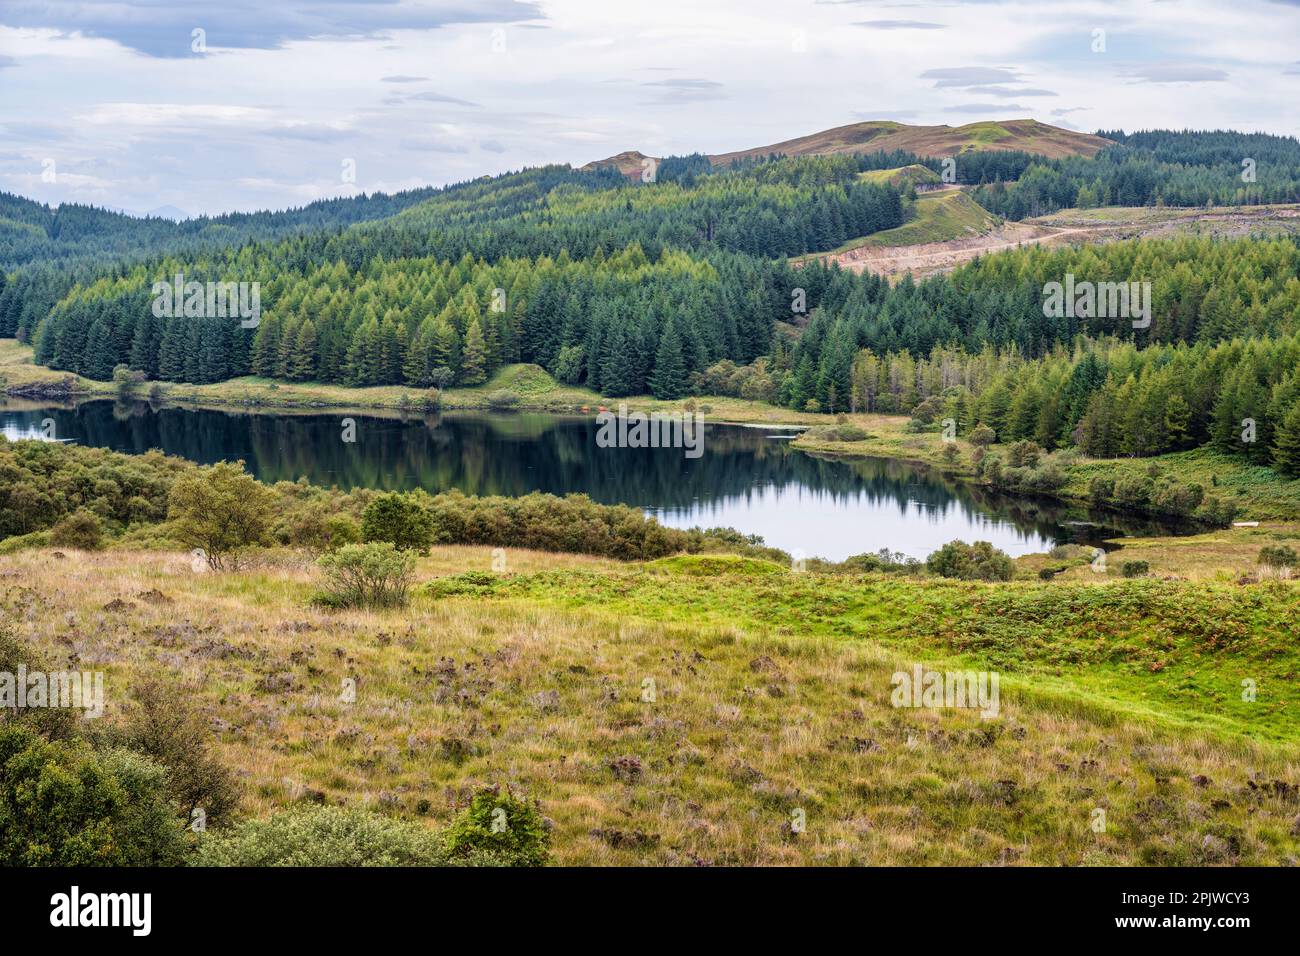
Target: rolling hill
(1026,135)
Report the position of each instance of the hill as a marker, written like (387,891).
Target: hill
(1024,135)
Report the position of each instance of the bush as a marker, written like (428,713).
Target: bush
(164,729)
(1134,569)
(81,529)
(503,399)
(1023,454)
(1279,556)
(1218,511)
(499,828)
(1101,490)
(366,575)
(318,527)
(221,511)
(982,436)
(50,722)
(843,432)
(1133,492)
(971,562)
(61,804)
(1175,499)
(323,836)
(400,520)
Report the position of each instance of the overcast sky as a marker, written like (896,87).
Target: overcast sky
(218,105)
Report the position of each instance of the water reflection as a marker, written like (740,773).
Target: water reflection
(748,478)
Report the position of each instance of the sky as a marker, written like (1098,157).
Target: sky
(211,106)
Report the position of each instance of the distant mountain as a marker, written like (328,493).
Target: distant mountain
(169,212)
(1026,135)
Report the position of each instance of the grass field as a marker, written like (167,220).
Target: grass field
(722,711)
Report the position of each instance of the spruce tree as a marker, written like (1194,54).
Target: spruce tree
(668,381)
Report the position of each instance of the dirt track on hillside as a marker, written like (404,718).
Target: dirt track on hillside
(928,258)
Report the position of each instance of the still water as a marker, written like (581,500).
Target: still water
(747,478)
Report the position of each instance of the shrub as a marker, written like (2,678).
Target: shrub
(1101,490)
(1134,569)
(61,804)
(81,529)
(982,436)
(842,432)
(1176,499)
(1133,492)
(222,511)
(1279,556)
(49,722)
(400,520)
(1218,511)
(971,562)
(1023,454)
(164,729)
(366,575)
(323,836)
(503,399)
(499,828)
(318,527)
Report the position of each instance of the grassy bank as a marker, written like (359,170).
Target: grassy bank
(690,710)
(1261,493)
(528,387)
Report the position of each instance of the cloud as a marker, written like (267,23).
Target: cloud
(899,25)
(868,115)
(403,79)
(1007,91)
(431,97)
(962,76)
(491,146)
(685,90)
(7,61)
(1176,73)
(1000,109)
(163,29)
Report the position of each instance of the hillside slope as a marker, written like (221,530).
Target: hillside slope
(1027,135)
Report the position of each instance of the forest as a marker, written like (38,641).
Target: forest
(681,286)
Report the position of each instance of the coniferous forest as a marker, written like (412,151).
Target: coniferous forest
(681,284)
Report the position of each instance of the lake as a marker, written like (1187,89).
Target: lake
(746,478)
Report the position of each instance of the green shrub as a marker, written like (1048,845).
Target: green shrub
(1134,492)
(376,575)
(318,527)
(971,562)
(400,520)
(36,539)
(162,727)
(499,828)
(982,436)
(1101,489)
(323,836)
(81,529)
(1279,556)
(503,399)
(1134,569)
(1023,454)
(222,511)
(62,804)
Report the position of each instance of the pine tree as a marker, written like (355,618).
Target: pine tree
(302,365)
(1286,445)
(668,381)
(473,360)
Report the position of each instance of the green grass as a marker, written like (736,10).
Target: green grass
(685,712)
(915,174)
(1174,652)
